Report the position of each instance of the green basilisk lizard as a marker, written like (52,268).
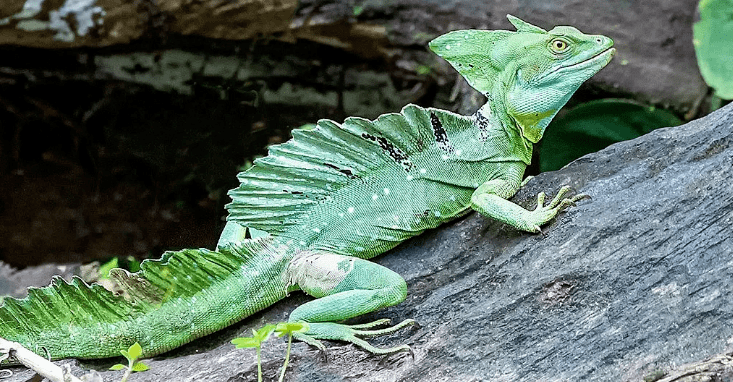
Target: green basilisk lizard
(328,200)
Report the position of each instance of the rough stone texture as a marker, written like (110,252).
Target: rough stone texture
(654,38)
(15,282)
(636,280)
(97,23)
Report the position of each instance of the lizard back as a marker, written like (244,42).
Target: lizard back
(361,187)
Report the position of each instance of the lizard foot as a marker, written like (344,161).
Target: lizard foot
(542,214)
(351,333)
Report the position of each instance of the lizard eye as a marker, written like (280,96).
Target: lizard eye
(559,45)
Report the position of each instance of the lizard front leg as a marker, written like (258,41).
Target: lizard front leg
(490,199)
(345,287)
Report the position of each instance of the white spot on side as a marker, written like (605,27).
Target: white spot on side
(453,198)
(395,226)
(422,170)
(447,47)
(437,213)
(341,214)
(358,249)
(375,196)
(444,157)
(386,191)
(350,210)
(317,230)
(409,177)
(459,152)
(302,244)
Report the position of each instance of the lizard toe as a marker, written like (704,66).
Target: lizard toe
(351,333)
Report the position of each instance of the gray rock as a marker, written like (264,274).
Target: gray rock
(636,280)
(15,283)
(654,38)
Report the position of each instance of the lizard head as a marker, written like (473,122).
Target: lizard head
(530,73)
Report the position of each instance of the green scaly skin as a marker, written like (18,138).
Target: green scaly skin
(331,198)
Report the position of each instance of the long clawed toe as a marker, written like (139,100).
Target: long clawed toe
(351,333)
(544,213)
(379,332)
(560,203)
(358,331)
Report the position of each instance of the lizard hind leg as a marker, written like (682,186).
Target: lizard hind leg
(345,287)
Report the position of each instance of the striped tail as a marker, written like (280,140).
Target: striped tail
(171,301)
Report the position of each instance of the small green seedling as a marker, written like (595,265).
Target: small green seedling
(258,337)
(132,354)
(289,328)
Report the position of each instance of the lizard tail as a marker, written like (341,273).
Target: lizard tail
(171,301)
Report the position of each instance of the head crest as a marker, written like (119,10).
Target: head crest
(476,54)
(523,26)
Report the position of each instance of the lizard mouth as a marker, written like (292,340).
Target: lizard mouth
(588,66)
(599,60)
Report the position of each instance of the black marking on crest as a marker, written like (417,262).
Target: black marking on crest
(344,171)
(441,137)
(483,124)
(393,151)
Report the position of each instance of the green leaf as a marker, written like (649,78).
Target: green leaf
(127,355)
(423,70)
(246,342)
(139,366)
(135,351)
(284,328)
(118,366)
(264,332)
(133,265)
(713,41)
(594,125)
(106,267)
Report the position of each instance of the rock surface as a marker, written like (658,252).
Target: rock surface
(97,23)
(633,282)
(654,38)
